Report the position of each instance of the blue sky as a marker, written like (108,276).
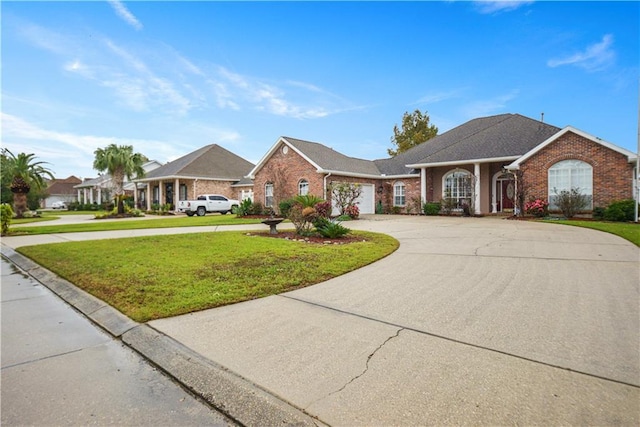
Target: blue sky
(171,77)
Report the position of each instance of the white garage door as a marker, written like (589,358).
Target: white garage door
(366,201)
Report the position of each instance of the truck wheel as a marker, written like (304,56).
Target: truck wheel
(201,211)
(224,212)
(189,213)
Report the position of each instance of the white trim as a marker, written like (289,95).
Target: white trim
(630,155)
(364,175)
(463,162)
(274,147)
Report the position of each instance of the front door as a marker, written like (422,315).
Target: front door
(168,191)
(507,194)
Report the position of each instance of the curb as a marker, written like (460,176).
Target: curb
(235,396)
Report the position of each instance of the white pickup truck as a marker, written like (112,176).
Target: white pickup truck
(207,203)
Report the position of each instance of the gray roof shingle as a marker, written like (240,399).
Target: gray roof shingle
(329,159)
(211,161)
(504,135)
(500,136)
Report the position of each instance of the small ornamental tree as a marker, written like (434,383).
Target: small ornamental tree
(571,202)
(345,194)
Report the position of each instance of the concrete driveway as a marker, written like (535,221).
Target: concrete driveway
(472,321)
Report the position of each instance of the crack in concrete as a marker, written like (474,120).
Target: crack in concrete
(366,368)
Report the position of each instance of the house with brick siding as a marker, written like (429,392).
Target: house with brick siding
(482,164)
(209,170)
(60,190)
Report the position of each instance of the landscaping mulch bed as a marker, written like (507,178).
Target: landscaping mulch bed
(291,235)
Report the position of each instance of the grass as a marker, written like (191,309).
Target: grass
(626,230)
(132,224)
(161,276)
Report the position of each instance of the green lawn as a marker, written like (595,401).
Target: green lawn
(131,224)
(161,276)
(626,230)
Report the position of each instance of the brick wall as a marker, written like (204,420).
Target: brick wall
(286,170)
(612,173)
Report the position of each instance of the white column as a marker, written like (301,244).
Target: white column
(476,172)
(79,196)
(99,195)
(176,194)
(160,202)
(84,199)
(91,195)
(423,185)
(149,196)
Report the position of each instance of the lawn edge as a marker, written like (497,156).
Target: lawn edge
(221,388)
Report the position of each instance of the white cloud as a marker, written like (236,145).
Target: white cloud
(73,154)
(124,13)
(301,101)
(489,106)
(433,98)
(497,6)
(46,39)
(594,58)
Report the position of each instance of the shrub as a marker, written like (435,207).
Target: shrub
(598,213)
(352,211)
(256,209)
(571,202)
(285,207)
(538,208)
(6,215)
(324,209)
(621,210)
(308,200)
(332,230)
(431,208)
(243,209)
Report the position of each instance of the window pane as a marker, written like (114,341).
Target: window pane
(567,175)
(399,194)
(268,195)
(303,187)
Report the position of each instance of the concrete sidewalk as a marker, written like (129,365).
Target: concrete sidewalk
(472,321)
(59,369)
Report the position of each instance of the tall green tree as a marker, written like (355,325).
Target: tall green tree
(415,130)
(22,173)
(120,162)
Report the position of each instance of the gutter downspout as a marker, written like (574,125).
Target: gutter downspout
(324,180)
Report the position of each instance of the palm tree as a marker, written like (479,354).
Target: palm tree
(120,162)
(24,173)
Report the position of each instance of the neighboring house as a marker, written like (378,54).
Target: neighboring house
(61,190)
(100,189)
(472,164)
(211,169)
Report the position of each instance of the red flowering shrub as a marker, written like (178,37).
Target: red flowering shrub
(353,211)
(538,208)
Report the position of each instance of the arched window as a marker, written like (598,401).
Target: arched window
(303,187)
(567,175)
(458,186)
(268,195)
(398,194)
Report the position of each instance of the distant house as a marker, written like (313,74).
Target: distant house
(210,169)
(61,190)
(99,190)
(474,164)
